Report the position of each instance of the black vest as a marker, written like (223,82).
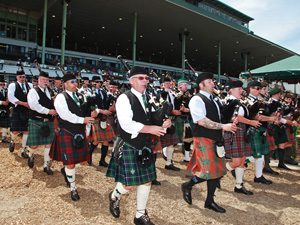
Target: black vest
(4,98)
(139,115)
(212,114)
(45,102)
(19,94)
(75,109)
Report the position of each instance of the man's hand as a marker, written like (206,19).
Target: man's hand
(52,112)
(157,130)
(255,123)
(167,123)
(88,120)
(5,102)
(105,112)
(94,114)
(230,127)
(176,112)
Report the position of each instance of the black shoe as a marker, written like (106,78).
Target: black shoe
(233,173)
(269,170)
(291,161)
(74,195)
(156,182)
(103,163)
(172,167)
(24,153)
(215,207)
(262,180)
(63,172)
(187,193)
(48,170)
(243,190)
(30,161)
(283,166)
(114,206)
(11,147)
(90,160)
(143,220)
(5,141)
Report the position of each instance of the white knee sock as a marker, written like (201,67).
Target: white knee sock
(228,167)
(239,175)
(169,154)
(142,195)
(24,140)
(118,191)
(187,155)
(71,177)
(4,133)
(46,157)
(259,165)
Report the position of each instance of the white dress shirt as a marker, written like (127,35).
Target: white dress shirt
(197,107)
(125,114)
(33,101)
(63,111)
(11,92)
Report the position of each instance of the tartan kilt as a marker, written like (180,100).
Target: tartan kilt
(34,137)
(63,150)
(128,171)
(205,160)
(280,135)
(19,121)
(55,123)
(169,139)
(271,141)
(179,123)
(290,135)
(258,141)
(111,119)
(4,122)
(235,144)
(99,134)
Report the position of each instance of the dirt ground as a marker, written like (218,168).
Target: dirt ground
(29,196)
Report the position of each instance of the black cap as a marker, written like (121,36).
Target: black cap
(94,78)
(57,78)
(204,76)
(20,72)
(2,78)
(44,74)
(166,78)
(254,83)
(85,78)
(137,70)
(234,84)
(68,76)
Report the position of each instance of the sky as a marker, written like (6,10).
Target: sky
(275,20)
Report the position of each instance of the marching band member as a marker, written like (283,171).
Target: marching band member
(4,110)
(205,164)
(136,129)
(17,95)
(236,147)
(70,145)
(40,124)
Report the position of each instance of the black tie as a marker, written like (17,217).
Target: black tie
(211,98)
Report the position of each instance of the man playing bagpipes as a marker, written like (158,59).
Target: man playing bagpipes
(4,110)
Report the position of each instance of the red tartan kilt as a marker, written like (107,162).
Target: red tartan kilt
(169,139)
(290,135)
(55,122)
(235,144)
(99,134)
(271,142)
(205,161)
(63,150)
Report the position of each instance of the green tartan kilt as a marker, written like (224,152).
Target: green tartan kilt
(34,136)
(280,136)
(128,171)
(179,123)
(258,141)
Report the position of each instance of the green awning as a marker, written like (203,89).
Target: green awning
(287,70)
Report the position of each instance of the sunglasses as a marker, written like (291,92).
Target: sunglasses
(2,84)
(22,76)
(257,88)
(73,81)
(142,78)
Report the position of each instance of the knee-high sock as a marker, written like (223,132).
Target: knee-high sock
(104,150)
(142,195)
(46,157)
(281,155)
(71,177)
(4,133)
(267,160)
(228,167)
(24,140)
(239,176)
(169,152)
(211,188)
(288,153)
(118,191)
(259,165)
